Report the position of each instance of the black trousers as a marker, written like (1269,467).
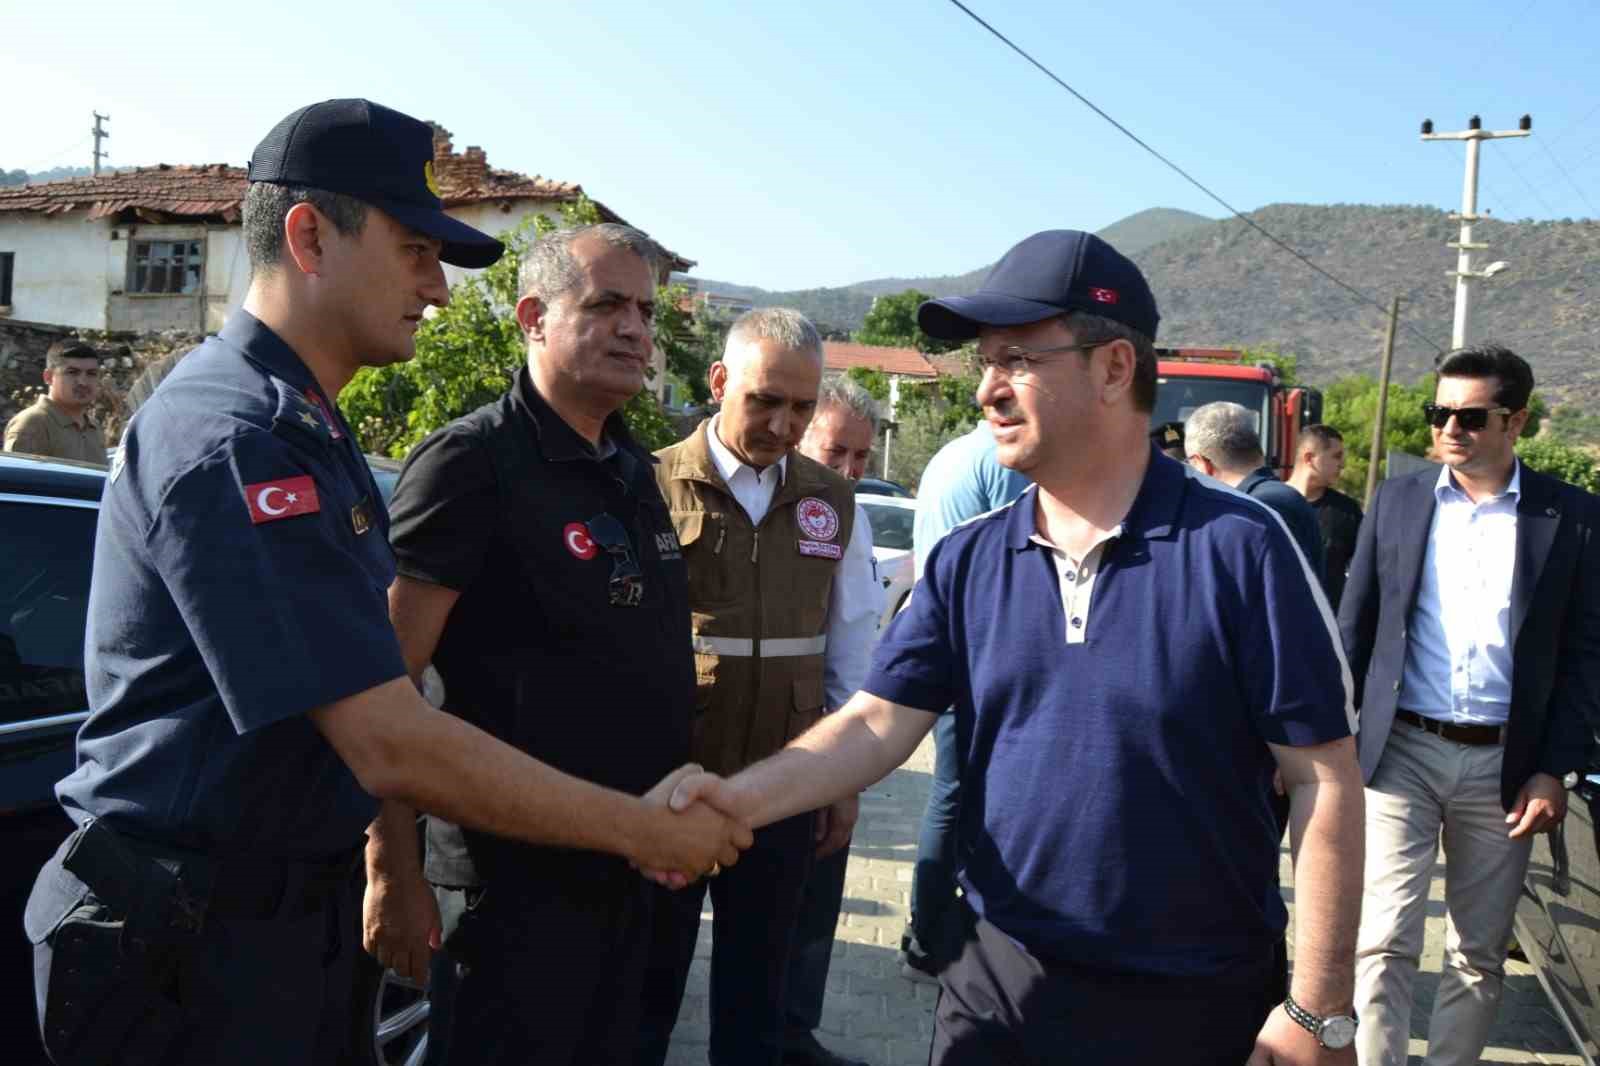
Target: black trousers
(813,942)
(1001,1006)
(248,992)
(547,973)
(756,905)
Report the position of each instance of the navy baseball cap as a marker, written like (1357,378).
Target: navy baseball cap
(376,155)
(1048,274)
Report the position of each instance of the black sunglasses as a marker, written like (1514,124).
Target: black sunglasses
(1470,419)
(627,580)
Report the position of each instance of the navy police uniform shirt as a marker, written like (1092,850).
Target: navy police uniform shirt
(570,639)
(1114,804)
(240,575)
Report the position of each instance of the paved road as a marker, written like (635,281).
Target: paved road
(875,1014)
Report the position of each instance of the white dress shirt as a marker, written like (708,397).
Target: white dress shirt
(855,599)
(1458,644)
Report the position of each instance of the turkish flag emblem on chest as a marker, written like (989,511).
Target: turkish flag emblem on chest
(271,500)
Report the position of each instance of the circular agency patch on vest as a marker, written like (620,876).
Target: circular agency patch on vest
(578,541)
(818,520)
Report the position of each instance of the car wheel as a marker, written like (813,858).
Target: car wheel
(391,1018)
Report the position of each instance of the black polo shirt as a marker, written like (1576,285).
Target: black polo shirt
(554,645)
(1339,519)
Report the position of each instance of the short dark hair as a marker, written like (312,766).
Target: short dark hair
(1324,435)
(267,204)
(61,351)
(1512,372)
(1087,327)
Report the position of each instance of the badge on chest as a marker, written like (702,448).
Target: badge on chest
(819,526)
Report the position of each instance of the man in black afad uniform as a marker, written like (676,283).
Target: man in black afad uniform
(1316,471)
(539,572)
(248,696)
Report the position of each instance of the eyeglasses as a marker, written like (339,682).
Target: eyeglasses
(627,580)
(1470,419)
(1016,361)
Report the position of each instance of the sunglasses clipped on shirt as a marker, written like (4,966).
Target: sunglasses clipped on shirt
(627,580)
(1470,419)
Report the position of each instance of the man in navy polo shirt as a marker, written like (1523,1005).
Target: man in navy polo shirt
(1129,656)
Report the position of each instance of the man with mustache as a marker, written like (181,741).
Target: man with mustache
(58,424)
(539,573)
(780,582)
(1129,657)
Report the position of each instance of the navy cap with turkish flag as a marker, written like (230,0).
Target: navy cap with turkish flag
(376,155)
(1046,275)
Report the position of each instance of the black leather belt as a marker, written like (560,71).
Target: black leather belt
(1461,734)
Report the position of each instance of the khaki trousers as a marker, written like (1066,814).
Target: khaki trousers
(1427,790)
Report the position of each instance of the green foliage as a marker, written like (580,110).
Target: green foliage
(923,431)
(467,355)
(1350,405)
(875,382)
(691,338)
(1560,460)
(892,321)
(1286,363)
(1572,425)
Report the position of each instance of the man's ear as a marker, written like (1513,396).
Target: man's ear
(303,235)
(1517,421)
(531,314)
(1120,362)
(49,376)
(717,378)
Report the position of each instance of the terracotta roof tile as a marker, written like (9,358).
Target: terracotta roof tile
(208,189)
(907,362)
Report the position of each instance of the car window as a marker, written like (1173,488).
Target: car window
(891,526)
(46,551)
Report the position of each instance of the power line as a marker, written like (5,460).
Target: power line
(1537,195)
(1240,215)
(1576,187)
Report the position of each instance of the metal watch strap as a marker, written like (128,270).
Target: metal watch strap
(1302,1017)
(1308,1021)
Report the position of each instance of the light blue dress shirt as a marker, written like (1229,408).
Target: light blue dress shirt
(1458,640)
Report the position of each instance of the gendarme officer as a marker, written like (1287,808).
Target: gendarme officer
(249,699)
(780,583)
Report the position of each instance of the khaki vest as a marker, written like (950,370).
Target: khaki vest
(758,597)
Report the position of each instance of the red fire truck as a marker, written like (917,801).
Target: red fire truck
(1192,377)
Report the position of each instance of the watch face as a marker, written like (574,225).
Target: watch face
(1337,1032)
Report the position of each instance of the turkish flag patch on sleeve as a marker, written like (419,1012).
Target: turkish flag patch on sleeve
(284,498)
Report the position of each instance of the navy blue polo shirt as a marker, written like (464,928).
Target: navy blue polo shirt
(240,575)
(1114,807)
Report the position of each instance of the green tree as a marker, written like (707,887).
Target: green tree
(1350,405)
(467,355)
(1571,425)
(892,322)
(690,337)
(1571,464)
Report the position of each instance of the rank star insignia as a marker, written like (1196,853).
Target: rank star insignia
(310,419)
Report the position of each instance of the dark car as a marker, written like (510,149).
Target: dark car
(48,511)
(877,486)
(1558,916)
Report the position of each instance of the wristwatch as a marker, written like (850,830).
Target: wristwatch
(1335,1032)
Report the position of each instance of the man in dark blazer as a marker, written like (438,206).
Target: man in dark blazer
(1472,613)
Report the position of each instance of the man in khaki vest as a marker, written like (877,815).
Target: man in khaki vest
(779,588)
(58,424)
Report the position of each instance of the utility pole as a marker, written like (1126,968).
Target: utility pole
(1383,403)
(888,430)
(99,135)
(1463,273)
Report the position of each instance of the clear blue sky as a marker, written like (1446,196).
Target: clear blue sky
(790,145)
